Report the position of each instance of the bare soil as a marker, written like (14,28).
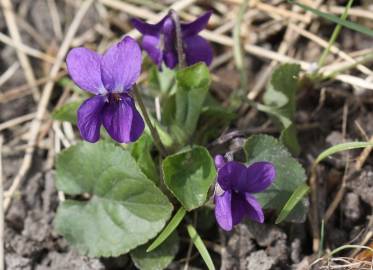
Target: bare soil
(329,113)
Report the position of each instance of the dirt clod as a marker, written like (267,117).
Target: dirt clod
(259,260)
(351,206)
(362,185)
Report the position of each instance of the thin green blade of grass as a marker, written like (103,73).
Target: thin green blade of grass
(322,238)
(335,34)
(167,231)
(341,147)
(339,249)
(198,243)
(295,197)
(351,25)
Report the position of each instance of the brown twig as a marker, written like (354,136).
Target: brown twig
(14,33)
(16,121)
(23,90)
(338,197)
(289,38)
(8,73)
(333,48)
(42,106)
(56,22)
(2,263)
(363,156)
(314,212)
(22,48)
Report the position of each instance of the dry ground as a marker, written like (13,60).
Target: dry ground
(35,36)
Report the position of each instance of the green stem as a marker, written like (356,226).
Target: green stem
(153,131)
(335,35)
(349,247)
(322,239)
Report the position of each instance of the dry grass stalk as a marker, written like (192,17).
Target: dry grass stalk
(42,106)
(14,33)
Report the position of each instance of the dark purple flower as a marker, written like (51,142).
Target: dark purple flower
(234,188)
(159,40)
(109,77)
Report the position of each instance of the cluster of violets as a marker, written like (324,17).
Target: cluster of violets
(111,76)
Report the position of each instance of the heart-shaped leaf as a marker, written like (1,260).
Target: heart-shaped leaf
(121,208)
(141,151)
(289,175)
(280,102)
(189,175)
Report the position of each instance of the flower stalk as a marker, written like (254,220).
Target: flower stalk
(175,43)
(153,130)
(179,39)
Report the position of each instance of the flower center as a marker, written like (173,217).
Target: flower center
(117,97)
(114,98)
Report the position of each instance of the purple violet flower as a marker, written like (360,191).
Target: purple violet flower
(233,192)
(159,40)
(110,78)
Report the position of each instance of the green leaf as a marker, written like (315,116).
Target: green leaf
(193,83)
(67,112)
(295,198)
(66,82)
(213,119)
(280,101)
(158,259)
(282,89)
(141,152)
(289,174)
(189,175)
(198,243)
(167,231)
(351,25)
(122,208)
(342,147)
(289,138)
(183,107)
(161,81)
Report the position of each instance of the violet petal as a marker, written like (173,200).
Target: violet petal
(260,175)
(83,66)
(223,211)
(90,118)
(228,173)
(169,34)
(121,65)
(254,210)
(147,28)
(193,28)
(219,161)
(122,120)
(170,59)
(151,44)
(239,207)
(197,50)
